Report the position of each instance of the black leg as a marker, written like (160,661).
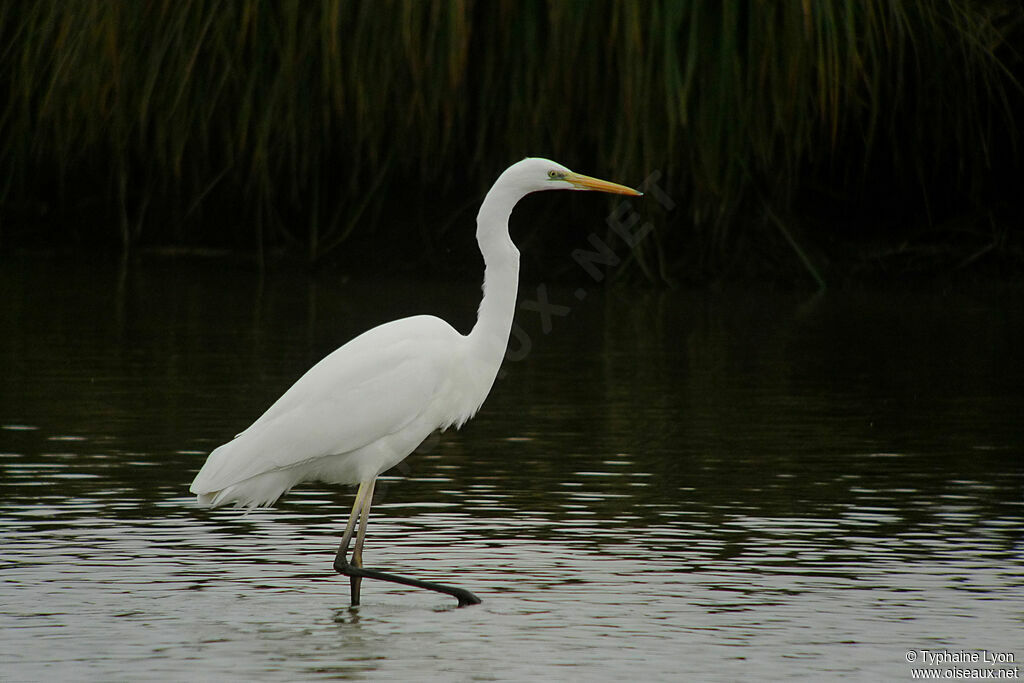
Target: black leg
(355,582)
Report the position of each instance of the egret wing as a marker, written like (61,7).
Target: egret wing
(353,397)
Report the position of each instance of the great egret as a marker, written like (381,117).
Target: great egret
(369,404)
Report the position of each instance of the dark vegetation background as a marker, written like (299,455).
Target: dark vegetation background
(800,140)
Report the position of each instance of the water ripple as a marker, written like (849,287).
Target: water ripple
(673,489)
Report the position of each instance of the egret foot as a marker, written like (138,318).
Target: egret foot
(356,573)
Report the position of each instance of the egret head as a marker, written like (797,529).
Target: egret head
(535,174)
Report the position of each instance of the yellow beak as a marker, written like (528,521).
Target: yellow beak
(585,182)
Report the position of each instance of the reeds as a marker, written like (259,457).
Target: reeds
(251,122)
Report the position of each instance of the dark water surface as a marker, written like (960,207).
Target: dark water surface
(668,485)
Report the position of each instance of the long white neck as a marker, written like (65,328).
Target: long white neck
(489,337)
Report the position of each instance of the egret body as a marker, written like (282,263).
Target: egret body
(367,405)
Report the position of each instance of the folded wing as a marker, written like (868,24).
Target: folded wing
(366,390)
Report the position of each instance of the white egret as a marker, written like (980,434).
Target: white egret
(366,406)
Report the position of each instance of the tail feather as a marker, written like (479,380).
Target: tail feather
(263,490)
(218,481)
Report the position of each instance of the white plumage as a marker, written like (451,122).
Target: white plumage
(367,405)
(356,413)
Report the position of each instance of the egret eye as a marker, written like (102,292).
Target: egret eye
(555,175)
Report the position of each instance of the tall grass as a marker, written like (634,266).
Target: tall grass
(253,122)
